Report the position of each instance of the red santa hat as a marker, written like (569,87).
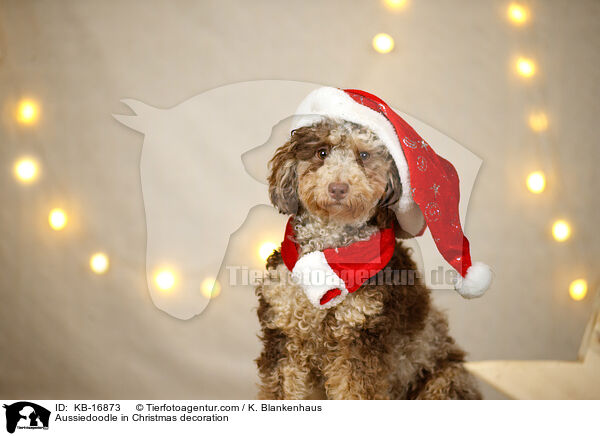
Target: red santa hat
(430,184)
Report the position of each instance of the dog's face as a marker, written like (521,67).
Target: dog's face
(337,171)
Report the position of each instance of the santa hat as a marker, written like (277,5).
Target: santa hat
(430,184)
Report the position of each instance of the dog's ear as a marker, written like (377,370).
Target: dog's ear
(283,180)
(385,216)
(393,190)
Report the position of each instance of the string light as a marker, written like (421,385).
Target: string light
(383,43)
(57,219)
(517,14)
(561,230)
(210,287)
(265,250)
(26,170)
(536,182)
(538,121)
(164,279)
(99,263)
(525,67)
(395,4)
(27,112)
(578,289)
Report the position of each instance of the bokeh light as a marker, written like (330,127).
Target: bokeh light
(383,43)
(538,121)
(395,4)
(517,13)
(578,289)
(57,219)
(26,170)
(266,249)
(27,112)
(561,230)
(210,287)
(536,182)
(99,263)
(165,279)
(525,67)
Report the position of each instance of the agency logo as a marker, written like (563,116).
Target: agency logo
(26,415)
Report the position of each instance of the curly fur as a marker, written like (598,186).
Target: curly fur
(385,341)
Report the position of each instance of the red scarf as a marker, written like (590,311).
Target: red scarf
(345,269)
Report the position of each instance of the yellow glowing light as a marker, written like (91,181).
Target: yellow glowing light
(99,263)
(210,288)
(536,182)
(395,4)
(164,279)
(27,112)
(57,219)
(383,43)
(578,289)
(538,121)
(561,230)
(265,250)
(517,13)
(26,170)
(525,67)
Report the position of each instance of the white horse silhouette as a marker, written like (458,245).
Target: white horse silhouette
(196,187)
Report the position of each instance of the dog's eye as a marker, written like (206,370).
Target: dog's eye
(364,155)
(322,153)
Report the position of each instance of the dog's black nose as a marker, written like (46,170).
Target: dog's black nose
(338,191)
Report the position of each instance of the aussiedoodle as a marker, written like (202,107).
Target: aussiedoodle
(384,341)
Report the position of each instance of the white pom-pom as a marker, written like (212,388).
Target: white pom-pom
(476,282)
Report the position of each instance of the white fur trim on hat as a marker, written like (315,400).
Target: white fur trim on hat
(315,277)
(335,103)
(477,280)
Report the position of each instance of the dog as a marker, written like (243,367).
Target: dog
(384,341)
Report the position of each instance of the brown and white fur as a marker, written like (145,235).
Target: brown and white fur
(384,341)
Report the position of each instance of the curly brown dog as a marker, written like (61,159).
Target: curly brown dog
(384,341)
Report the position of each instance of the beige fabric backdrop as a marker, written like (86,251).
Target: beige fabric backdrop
(66,333)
